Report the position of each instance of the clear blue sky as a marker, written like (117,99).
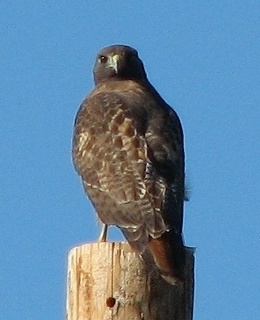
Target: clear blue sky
(203,57)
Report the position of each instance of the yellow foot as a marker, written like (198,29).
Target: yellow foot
(103,233)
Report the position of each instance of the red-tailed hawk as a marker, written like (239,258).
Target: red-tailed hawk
(128,150)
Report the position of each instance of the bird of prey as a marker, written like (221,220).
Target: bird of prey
(128,150)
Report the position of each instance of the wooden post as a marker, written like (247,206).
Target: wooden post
(109,281)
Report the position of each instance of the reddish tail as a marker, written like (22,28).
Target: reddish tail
(169,255)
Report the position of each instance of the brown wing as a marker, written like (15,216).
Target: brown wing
(110,154)
(129,154)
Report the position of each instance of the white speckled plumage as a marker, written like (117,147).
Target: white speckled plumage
(128,149)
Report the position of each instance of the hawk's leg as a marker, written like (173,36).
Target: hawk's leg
(103,233)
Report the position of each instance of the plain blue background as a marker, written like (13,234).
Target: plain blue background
(203,57)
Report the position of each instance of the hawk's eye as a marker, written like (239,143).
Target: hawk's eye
(103,59)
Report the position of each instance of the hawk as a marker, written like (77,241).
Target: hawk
(128,150)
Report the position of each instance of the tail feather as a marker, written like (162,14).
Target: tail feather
(166,253)
(169,256)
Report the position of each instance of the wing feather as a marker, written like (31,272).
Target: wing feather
(128,149)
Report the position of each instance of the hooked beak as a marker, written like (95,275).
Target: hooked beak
(113,62)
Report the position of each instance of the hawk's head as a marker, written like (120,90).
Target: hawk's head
(118,62)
